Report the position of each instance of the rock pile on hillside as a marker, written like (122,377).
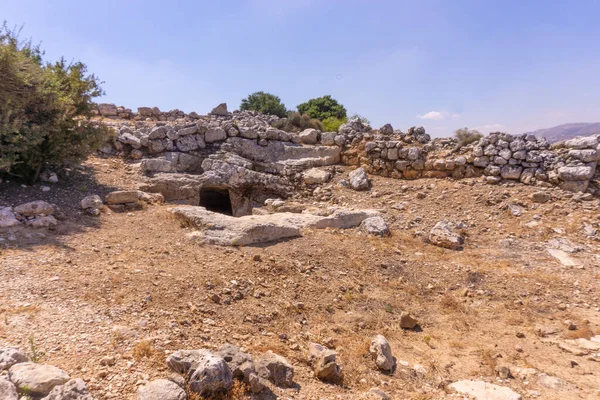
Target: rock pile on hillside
(44,382)
(35,214)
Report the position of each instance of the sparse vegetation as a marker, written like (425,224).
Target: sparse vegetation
(332,124)
(265,103)
(296,122)
(465,136)
(42,109)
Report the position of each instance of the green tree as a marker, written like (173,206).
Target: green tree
(265,103)
(322,108)
(44,109)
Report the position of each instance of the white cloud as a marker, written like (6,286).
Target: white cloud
(489,128)
(438,115)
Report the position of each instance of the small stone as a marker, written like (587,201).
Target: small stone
(382,353)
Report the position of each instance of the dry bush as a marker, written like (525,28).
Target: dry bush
(143,349)
(451,303)
(296,122)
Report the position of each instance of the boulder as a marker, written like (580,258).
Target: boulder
(161,389)
(275,368)
(541,197)
(481,390)
(8,391)
(324,363)
(46,221)
(220,110)
(441,235)
(35,208)
(577,173)
(215,135)
(309,136)
(151,165)
(328,138)
(242,366)
(387,129)
(407,321)
(10,356)
(94,201)
(75,389)
(382,353)
(131,140)
(316,176)
(375,226)
(585,142)
(37,379)
(212,375)
(107,110)
(359,180)
(511,172)
(7,219)
(122,197)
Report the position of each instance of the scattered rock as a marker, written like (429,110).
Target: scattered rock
(8,391)
(541,197)
(242,366)
(359,180)
(212,375)
(375,226)
(94,202)
(377,394)
(8,218)
(75,389)
(316,176)
(407,321)
(441,235)
(275,368)
(35,208)
(324,363)
(10,356)
(122,197)
(220,110)
(161,389)
(309,136)
(38,379)
(382,353)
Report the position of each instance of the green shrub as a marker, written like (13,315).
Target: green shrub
(465,136)
(43,109)
(296,122)
(332,124)
(265,103)
(322,108)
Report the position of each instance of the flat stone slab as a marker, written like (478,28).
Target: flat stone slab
(225,230)
(481,390)
(563,257)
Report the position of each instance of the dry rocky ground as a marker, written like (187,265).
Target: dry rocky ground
(108,298)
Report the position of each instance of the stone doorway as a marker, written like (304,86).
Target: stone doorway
(216,200)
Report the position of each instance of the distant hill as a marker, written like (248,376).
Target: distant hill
(568,131)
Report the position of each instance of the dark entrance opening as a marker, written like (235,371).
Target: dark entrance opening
(216,200)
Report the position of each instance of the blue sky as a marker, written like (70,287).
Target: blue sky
(504,65)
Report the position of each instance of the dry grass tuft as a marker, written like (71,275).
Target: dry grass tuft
(143,349)
(488,359)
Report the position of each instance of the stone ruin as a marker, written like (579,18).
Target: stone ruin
(232,162)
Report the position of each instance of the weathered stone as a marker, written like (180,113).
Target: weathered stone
(481,390)
(37,379)
(387,129)
(7,219)
(220,110)
(151,165)
(316,176)
(407,321)
(107,110)
(541,197)
(375,226)
(242,366)
(131,140)
(324,363)
(10,356)
(212,375)
(359,180)
(75,389)
(275,368)
(8,391)
(511,172)
(122,197)
(441,235)
(309,136)
(585,142)
(328,138)
(382,353)
(161,389)
(43,221)
(35,208)
(93,201)
(577,173)
(215,135)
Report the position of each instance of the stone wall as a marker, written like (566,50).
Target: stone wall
(498,156)
(175,142)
